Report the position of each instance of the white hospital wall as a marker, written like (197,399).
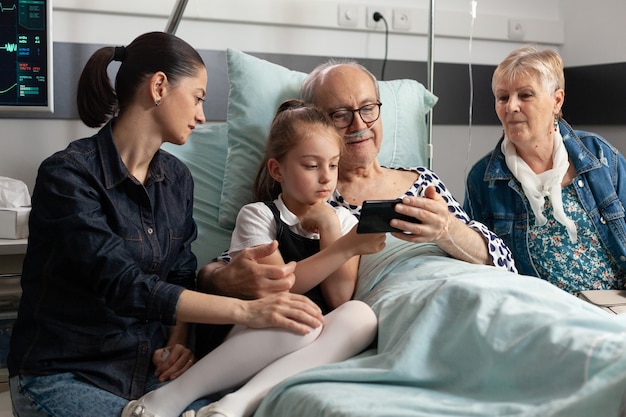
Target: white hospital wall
(594,32)
(25,143)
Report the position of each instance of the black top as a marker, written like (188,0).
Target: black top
(294,247)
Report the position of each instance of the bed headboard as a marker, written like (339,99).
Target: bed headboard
(223,158)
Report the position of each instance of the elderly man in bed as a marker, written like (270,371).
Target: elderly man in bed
(349,93)
(458,331)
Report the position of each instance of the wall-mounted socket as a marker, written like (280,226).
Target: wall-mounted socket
(401,19)
(371,23)
(516,30)
(348,16)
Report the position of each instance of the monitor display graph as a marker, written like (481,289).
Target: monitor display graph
(26,56)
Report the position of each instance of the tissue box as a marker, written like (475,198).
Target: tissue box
(14,222)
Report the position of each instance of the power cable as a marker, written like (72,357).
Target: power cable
(378,16)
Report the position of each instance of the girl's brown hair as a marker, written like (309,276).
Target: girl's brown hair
(286,131)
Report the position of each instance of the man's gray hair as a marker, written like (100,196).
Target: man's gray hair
(316,77)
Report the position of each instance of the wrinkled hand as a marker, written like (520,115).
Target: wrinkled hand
(172,361)
(293,312)
(320,217)
(431,210)
(245,278)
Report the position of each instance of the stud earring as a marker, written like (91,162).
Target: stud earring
(157,102)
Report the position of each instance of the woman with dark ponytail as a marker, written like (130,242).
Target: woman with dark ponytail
(108,277)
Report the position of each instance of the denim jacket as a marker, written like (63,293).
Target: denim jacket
(494,197)
(107,259)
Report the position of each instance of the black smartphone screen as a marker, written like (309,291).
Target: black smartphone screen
(376,215)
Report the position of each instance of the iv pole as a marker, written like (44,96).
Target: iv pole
(177,14)
(431,72)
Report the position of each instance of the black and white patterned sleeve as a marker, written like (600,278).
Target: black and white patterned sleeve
(499,252)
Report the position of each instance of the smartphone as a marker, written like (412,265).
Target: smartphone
(376,214)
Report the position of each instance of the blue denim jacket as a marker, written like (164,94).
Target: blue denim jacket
(494,197)
(107,259)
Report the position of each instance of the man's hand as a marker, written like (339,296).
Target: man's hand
(244,277)
(438,225)
(433,213)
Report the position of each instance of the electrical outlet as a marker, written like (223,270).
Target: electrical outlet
(401,19)
(516,30)
(369,19)
(348,16)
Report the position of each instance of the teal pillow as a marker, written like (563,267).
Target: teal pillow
(257,87)
(205,156)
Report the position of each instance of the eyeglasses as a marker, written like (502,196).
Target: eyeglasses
(344,117)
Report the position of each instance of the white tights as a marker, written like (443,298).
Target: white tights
(263,358)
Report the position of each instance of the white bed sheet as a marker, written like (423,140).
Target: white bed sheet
(466,341)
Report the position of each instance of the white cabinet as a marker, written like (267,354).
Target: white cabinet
(11,259)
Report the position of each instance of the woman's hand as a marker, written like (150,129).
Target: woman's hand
(286,310)
(293,312)
(172,361)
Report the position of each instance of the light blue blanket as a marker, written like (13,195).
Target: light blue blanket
(464,340)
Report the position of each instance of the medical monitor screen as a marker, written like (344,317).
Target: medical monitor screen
(26,56)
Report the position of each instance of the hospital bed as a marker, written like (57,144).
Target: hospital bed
(453,340)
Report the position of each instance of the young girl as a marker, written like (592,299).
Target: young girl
(295,179)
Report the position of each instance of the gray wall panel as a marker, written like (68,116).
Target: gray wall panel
(588,98)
